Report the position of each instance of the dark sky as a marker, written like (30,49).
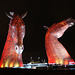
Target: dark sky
(40,13)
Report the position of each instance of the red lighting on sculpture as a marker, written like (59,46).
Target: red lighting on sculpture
(56,52)
(12,52)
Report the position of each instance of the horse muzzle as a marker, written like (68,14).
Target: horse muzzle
(19,49)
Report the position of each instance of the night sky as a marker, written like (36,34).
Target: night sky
(40,13)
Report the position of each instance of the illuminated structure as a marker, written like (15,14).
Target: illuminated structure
(12,52)
(56,52)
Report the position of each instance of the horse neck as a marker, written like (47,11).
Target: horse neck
(9,40)
(52,43)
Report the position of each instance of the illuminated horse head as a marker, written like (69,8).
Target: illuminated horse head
(17,29)
(12,52)
(56,52)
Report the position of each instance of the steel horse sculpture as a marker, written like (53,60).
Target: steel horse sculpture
(56,52)
(12,52)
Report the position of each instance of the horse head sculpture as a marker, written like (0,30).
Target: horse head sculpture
(12,52)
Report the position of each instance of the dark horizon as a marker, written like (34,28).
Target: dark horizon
(39,14)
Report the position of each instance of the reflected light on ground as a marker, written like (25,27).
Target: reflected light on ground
(61,61)
(66,62)
(57,61)
(16,65)
(11,65)
(2,66)
(6,64)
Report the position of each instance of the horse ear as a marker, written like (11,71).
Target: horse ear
(9,16)
(24,15)
(46,27)
(11,13)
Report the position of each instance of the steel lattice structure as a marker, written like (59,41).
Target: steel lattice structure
(12,52)
(56,52)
